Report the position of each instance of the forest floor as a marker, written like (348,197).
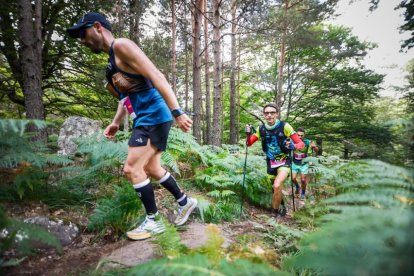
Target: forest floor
(89,252)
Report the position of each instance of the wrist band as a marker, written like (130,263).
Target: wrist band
(177,112)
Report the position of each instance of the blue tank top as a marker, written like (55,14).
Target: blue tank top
(149,106)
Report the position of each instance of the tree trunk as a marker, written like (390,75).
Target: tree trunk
(197,101)
(173,43)
(289,92)
(233,95)
(238,91)
(135,14)
(319,145)
(208,134)
(31,61)
(217,72)
(119,13)
(279,92)
(185,40)
(222,95)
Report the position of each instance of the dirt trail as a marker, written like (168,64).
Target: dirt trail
(85,254)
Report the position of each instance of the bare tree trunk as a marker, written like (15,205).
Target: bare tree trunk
(217,72)
(233,95)
(173,46)
(119,13)
(279,92)
(208,134)
(186,74)
(222,95)
(31,61)
(134,20)
(238,91)
(197,100)
(289,92)
(185,41)
(319,145)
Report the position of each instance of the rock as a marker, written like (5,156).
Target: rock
(75,127)
(65,233)
(137,252)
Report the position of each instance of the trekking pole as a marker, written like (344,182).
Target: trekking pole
(291,179)
(244,177)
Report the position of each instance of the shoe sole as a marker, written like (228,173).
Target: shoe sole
(188,213)
(139,237)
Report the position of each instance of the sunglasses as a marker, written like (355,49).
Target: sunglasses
(269,113)
(300,135)
(82,32)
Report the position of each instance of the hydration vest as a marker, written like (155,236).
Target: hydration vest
(277,134)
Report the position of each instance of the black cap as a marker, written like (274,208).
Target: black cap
(88,18)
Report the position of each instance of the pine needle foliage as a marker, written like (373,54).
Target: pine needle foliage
(369,228)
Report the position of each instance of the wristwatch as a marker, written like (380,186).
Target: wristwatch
(177,112)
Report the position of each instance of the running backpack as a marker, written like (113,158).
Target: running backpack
(278,132)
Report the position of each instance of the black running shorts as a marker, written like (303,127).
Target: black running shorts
(157,134)
(274,171)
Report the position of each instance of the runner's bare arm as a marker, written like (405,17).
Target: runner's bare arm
(314,147)
(120,113)
(133,60)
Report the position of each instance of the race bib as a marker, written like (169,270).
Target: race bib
(127,104)
(277,163)
(299,156)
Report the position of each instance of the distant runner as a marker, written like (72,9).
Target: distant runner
(298,167)
(276,138)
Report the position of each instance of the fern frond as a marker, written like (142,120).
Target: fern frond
(200,265)
(12,126)
(368,229)
(118,211)
(168,160)
(203,206)
(169,243)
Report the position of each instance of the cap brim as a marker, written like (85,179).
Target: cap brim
(75,29)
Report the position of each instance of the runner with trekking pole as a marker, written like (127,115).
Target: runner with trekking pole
(274,135)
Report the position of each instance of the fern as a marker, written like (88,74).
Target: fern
(199,265)
(168,160)
(28,160)
(203,206)
(369,228)
(169,243)
(118,212)
(283,238)
(213,248)
(20,237)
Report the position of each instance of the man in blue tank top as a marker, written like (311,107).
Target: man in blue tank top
(144,92)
